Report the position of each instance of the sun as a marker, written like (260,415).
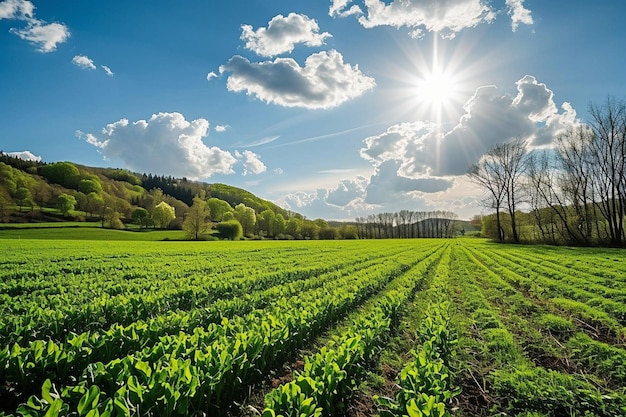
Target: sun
(436,88)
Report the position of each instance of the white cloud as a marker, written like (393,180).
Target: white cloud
(349,192)
(446,17)
(519,14)
(340,8)
(417,165)
(211,75)
(279,171)
(16,9)
(490,118)
(221,128)
(107,70)
(46,36)
(388,186)
(25,155)
(252,163)
(164,144)
(324,81)
(282,34)
(83,61)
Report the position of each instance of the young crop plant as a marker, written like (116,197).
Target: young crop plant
(328,377)
(425,383)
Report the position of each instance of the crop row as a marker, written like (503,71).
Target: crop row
(192,373)
(328,375)
(25,368)
(425,384)
(46,316)
(607,315)
(515,384)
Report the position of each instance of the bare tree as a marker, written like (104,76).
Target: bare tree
(488,174)
(608,151)
(499,172)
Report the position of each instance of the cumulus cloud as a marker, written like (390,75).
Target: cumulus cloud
(349,192)
(282,34)
(166,143)
(211,75)
(447,17)
(83,61)
(252,163)
(519,14)
(491,117)
(324,82)
(24,155)
(221,128)
(46,36)
(414,160)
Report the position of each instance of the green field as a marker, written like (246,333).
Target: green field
(347,328)
(83,231)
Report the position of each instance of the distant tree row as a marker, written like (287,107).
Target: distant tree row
(574,193)
(407,224)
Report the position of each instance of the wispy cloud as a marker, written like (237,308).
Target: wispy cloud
(326,136)
(107,70)
(337,171)
(262,141)
(84,62)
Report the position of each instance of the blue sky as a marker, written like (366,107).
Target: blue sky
(334,109)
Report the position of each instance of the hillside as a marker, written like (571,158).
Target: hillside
(32,191)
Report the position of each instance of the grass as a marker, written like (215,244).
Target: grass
(85,231)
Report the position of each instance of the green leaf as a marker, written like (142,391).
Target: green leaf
(45,392)
(55,408)
(89,400)
(413,410)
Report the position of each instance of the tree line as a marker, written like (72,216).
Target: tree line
(574,193)
(407,224)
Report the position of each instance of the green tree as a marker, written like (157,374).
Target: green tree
(94,204)
(163,214)
(279,224)
(4,208)
(328,233)
(196,223)
(266,222)
(87,186)
(141,217)
(230,229)
(218,208)
(293,227)
(66,203)
(309,229)
(115,222)
(62,173)
(228,216)
(23,197)
(348,231)
(246,217)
